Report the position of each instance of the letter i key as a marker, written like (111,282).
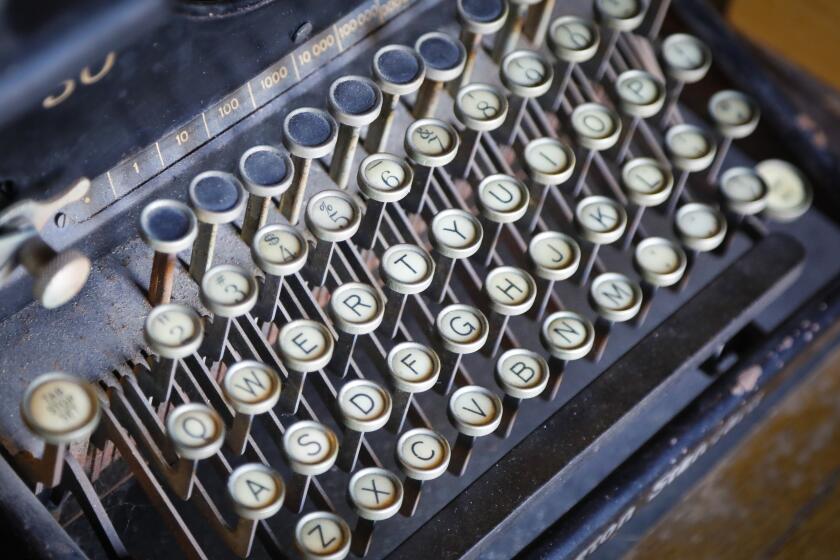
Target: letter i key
(422,455)
(311,449)
(364,407)
(355,309)
(304,346)
(521,374)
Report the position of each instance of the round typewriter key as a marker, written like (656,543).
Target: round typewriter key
(690,149)
(364,407)
(196,432)
(601,221)
(322,535)
(251,388)
(266,173)
(304,346)
(744,191)
(445,58)
(502,199)
(308,134)
(279,251)
(406,269)
(216,198)
(573,40)
(461,329)
(228,291)
(617,299)
(521,374)
(554,257)
(736,116)
(549,163)
(700,228)
(375,494)
(355,309)
(413,368)
(527,75)
(640,96)
(686,60)
(167,227)
(455,234)
(482,108)
(60,408)
(383,178)
(311,449)
(567,336)
(257,491)
(422,455)
(429,143)
(398,70)
(597,128)
(478,18)
(510,291)
(475,412)
(661,263)
(617,16)
(508,37)
(355,102)
(173,332)
(332,216)
(789,193)
(647,183)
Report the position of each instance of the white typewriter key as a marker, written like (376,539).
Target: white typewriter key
(736,116)
(59,409)
(445,58)
(481,108)
(691,150)
(266,173)
(455,234)
(597,128)
(167,227)
(257,493)
(406,269)
(502,199)
(510,291)
(646,183)
(173,332)
(304,346)
(412,368)
(616,299)
(311,449)
(574,41)
(355,309)
(429,143)
(601,221)
(508,37)
(521,374)
(398,70)
(308,134)
(744,193)
(216,198)
(355,102)
(364,407)
(549,163)
(375,495)
(477,18)
(332,216)
(700,228)
(382,178)
(279,251)
(527,75)
(554,257)
(660,263)
(568,336)
(322,535)
(686,60)
(422,455)
(790,194)
(251,388)
(640,96)
(228,291)
(196,432)
(475,412)
(461,329)
(617,16)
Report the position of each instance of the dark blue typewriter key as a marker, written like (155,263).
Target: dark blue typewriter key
(266,173)
(478,18)
(445,58)
(168,227)
(354,102)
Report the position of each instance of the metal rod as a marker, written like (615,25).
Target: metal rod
(677,194)
(589,264)
(163,275)
(632,227)
(393,312)
(344,154)
(624,148)
(292,201)
(256,215)
(720,159)
(203,249)
(348,451)
(427,100)
(378,131)
(547,287)
(609,48)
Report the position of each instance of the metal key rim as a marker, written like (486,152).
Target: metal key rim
(503,216)
(402,287)
(574,55)
(660,279)
(530,391)
(229,309)
(52,437)
(572,353)
(273,267)
(481,125)
(617,315)
(252,408)
(525,90)
(381,195)
(211,216)
(556,274)
(647,198)
(183,349)
(310,152)
(262,512)
(418,473)
(165,245)
(351,119)
(424,384)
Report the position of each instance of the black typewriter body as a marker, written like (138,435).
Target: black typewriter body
(188,88)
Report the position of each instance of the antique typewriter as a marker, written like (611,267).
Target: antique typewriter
(389,278)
